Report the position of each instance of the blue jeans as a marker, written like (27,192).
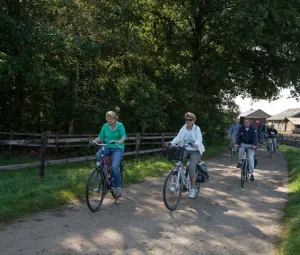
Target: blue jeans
(115,164)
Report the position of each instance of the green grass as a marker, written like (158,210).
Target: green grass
(214,150)
(291,242)
(23,193)
(12,160)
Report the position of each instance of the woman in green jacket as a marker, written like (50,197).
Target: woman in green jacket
(113,131)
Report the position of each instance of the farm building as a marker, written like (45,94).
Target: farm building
(287,121)
(257,117)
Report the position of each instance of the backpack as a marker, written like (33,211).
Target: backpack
(202,173)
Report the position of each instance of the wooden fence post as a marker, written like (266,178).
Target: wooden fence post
(56,144)
(162,140)
(43,155)
(10,138)
(137,145)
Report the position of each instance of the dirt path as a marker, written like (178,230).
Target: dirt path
(224,220)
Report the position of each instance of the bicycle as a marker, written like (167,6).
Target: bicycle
(262,138)
(177,181)
(100,180)
(232,147)
(245,172)
(270,147)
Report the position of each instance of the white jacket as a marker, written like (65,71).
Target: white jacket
(197,137)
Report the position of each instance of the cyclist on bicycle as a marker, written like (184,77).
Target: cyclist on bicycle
(263,131)
(272,134)
(113,131)
(233,130)
(247,138)
(191,133)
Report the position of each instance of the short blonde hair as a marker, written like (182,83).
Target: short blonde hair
(191,115)
(112,115)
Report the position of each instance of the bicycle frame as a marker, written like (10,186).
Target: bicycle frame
(181,176)
(100,166)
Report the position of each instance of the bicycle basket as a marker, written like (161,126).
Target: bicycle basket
(175,153)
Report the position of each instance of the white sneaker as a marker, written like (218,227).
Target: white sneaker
(192,193)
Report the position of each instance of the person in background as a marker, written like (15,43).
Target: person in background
(272,136)
(233,130)
(247,138)
(262,131)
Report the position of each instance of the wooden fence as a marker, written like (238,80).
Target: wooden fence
(290,140)
(57,141)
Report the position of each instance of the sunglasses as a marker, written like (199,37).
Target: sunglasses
(188,120)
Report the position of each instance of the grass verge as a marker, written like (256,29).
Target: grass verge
(13,160)
(291,238)
(23,193)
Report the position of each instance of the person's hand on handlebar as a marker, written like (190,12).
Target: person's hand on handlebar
(167,144)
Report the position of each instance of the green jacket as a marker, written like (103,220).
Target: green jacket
(108,134)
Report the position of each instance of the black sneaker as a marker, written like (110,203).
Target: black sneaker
(252,178)
(239,164)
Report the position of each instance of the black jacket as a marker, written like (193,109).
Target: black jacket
(272,132)
(247,137)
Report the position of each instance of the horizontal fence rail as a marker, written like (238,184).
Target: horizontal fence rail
(58,141)
(290,140)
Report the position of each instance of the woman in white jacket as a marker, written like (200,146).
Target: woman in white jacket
(191,133)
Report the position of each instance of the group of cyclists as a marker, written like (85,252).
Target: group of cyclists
(189,136)
(249,136)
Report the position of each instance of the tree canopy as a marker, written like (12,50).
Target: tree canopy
(64,63)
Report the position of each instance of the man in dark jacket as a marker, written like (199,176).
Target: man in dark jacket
(272,134)
(247,138)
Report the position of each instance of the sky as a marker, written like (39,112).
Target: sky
(273,107)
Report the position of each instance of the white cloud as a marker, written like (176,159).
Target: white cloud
(271,108)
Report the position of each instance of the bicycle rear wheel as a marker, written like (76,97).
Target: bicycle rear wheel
(197,188)
(172,190)
(95,190)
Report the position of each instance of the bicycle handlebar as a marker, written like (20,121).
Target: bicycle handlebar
(187,144)
(105,144)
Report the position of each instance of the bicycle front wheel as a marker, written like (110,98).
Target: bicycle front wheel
(271,150)
(243,175)
(95,190)
(172,190)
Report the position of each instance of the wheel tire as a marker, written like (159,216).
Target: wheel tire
(172,207)
(94,201)
(242,179)
(197,188)
(243,175)
(246,172)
